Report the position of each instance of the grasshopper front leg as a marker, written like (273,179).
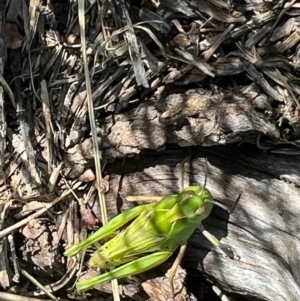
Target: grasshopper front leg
(226,250)
(214,241)
(129,269)
(173,269)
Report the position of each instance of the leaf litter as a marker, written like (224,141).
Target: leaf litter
(138,53)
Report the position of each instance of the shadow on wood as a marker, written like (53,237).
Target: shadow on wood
(263,227)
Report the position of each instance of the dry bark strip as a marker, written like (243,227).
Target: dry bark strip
(263,226)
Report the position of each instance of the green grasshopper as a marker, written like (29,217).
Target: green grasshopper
(155,232)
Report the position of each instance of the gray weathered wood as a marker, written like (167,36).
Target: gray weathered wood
(263,227)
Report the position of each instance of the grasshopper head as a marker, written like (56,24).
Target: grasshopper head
(196,200)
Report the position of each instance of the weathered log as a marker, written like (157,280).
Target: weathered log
(262,223)
(195,117)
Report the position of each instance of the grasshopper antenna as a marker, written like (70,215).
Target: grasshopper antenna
(204,186)
(205,175)
(182,172)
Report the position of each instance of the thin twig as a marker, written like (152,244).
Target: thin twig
(16,277)
(23,222)
(97,156)
(39,285)
(13,297)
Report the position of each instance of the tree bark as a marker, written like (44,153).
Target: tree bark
(195,117)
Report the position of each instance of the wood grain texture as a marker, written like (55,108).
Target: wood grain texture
(262,221)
